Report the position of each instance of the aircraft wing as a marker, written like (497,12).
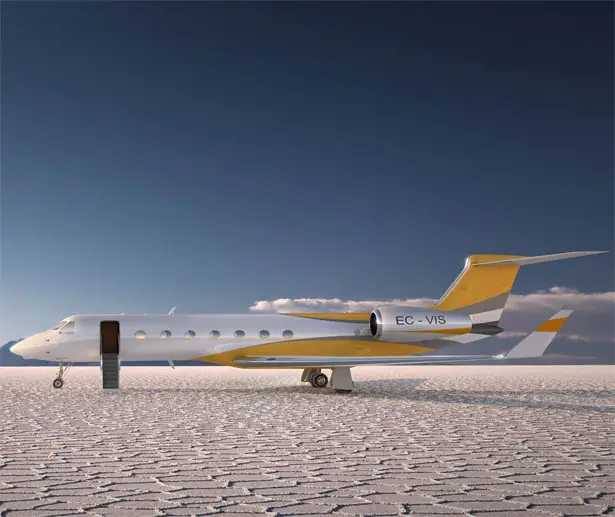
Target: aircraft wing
(327,362)
(533,345)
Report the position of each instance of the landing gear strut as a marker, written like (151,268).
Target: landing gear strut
(58,382)
(341,380)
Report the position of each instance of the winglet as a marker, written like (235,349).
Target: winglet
(172,311)
(535,344)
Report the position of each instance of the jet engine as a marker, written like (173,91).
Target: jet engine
(407,324)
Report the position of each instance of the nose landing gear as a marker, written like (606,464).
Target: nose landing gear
(58,382)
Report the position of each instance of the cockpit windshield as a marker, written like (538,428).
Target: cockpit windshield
(65,325)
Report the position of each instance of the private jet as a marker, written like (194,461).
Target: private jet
(469,310)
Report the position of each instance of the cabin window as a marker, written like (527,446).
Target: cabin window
(165,334)
(215,334)
(264,334)
(190,334)
(140,334)
(239,333)
(287,334)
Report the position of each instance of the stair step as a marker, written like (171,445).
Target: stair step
(110,366)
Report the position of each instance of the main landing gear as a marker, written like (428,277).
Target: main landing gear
(58,382)
(315,377)
(320,380)
(341,380)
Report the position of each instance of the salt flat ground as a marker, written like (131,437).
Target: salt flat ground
(433,440)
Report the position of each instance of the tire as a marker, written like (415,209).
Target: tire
(58,383)
(320,380)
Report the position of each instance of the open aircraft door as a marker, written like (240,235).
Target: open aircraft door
(110,354)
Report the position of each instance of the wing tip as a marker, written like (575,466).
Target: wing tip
(536,343)
(555,322)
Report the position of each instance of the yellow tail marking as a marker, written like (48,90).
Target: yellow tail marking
(477,284)
(552,325)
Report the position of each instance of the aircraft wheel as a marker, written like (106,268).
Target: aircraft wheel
(319,380)
(58,383)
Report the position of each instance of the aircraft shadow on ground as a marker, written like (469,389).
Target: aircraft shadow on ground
(406,389)
(539,399)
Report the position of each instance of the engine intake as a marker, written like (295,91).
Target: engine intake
(407,324)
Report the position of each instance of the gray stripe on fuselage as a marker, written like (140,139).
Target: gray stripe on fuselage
(490,304)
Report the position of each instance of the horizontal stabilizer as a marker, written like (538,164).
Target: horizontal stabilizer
(524,261)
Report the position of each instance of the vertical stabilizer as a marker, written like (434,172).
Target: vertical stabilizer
(482,288)
(481,292)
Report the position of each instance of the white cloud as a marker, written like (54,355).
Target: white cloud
(591,321)
(511,333)
(558,297)
(331,304)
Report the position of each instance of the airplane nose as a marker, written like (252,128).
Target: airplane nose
(16,348)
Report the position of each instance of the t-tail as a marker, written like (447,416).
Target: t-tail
(482,288)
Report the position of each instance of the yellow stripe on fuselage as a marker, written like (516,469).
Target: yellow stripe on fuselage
(317,348)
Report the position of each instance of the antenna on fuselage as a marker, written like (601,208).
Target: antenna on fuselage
(172,311)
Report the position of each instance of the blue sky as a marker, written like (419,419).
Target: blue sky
(209,155)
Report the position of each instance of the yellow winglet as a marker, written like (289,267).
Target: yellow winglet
(555,323)
(535,344)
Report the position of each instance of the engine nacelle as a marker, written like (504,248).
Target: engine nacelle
(407,324)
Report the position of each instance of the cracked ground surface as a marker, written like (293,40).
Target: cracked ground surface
(492,441)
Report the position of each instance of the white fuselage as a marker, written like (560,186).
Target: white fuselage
(177,337)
